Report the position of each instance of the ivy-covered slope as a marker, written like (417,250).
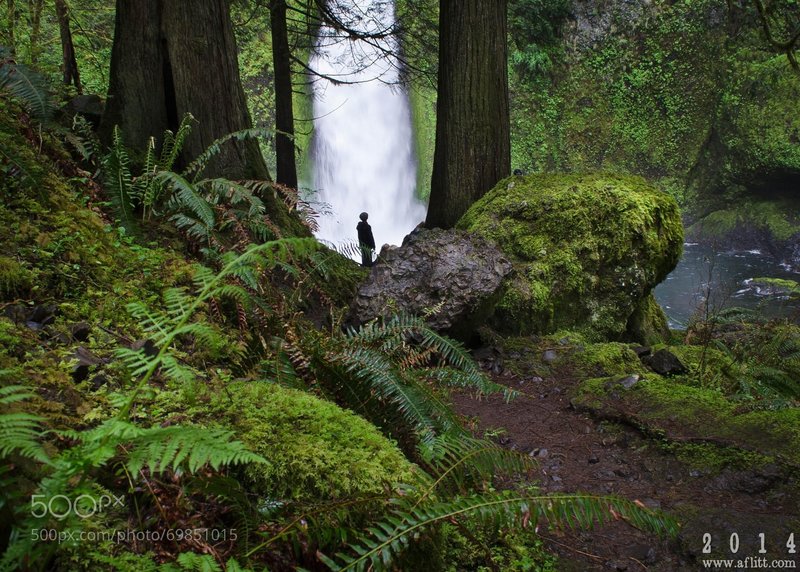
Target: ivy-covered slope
(686,94)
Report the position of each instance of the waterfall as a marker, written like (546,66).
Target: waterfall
(363,158)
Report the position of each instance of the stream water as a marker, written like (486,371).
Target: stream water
(726,280)
(363,159)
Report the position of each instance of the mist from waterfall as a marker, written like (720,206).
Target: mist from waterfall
(362,152)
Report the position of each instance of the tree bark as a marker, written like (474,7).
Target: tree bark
(12,24)
(201,51)
(137,91)
(70,64)
(473,142)
(35,11)
(172,57)
(284,114)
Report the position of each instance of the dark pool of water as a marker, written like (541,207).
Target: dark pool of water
(722,278)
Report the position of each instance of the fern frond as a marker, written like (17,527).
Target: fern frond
(215,147)
(185,195)
(28,86)
(387,539)
(173,143)
(20,431)
(456,459)
(163,448)
(115,167)
(372,368)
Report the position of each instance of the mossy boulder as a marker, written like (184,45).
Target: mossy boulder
(587,250)
(315,450)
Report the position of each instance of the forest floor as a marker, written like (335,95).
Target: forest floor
(578,453)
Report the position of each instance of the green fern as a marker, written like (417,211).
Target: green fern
(393,373)
(19,431)
(197,166)
(386,540)
(124,196)
(30,87)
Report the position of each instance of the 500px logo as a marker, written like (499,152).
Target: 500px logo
(83,506)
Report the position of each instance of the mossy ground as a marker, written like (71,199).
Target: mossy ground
(587,249)
(681,413)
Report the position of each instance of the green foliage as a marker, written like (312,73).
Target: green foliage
(390,372)
(27,85)
(216,213)
(19,431)
(119,442)
(535,28)
(389,537)
(772,217)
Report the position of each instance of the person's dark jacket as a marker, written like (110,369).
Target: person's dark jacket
(365,234)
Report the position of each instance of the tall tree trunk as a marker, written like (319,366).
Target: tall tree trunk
(473,142)
(284,114)
(35,11)
(201,52)
(70,64)
(137,90)
(12,24)
(172,57)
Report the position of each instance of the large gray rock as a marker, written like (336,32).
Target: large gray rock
(453,269)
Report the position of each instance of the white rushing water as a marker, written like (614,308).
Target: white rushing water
(363,158)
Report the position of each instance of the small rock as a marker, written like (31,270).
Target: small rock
(555,478)
(642,553)
(542,453)
(629,381)
(652,503)
(148,346)
(44,314)
(86,360)
(17,313)
(536,379)
(98,381)
(549,356)
(594,459)
(695,473)
(641,351)
(664,362)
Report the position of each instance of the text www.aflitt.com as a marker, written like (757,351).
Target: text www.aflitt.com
(749,563)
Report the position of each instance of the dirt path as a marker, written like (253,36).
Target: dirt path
(578,453)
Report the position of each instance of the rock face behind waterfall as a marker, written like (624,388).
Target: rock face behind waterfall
(587,249)
(459,271)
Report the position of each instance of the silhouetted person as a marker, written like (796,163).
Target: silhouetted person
(365,240)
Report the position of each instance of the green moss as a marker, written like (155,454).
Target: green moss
(709,367)
(777,285)
(587,250)
(422,99)
(15,279)
(648,323)
(316,450)
(607,359)
(712,459)
(681,413)
(777,217)
(668,93)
